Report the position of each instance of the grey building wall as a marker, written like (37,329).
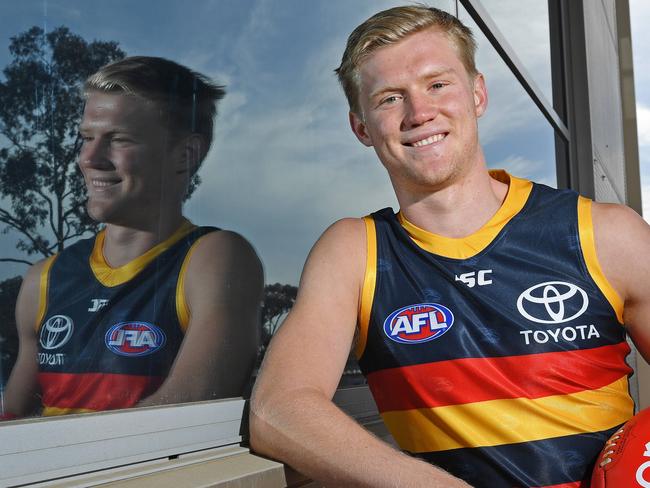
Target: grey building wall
(613,124)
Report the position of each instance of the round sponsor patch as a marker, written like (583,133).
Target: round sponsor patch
(418,323)
(134,338)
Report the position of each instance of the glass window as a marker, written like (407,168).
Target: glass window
(526,28)
(639,13)
(514,133)
(283,165)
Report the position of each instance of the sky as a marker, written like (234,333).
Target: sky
(284,163)
(639,18)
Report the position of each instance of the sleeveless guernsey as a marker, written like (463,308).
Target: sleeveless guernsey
(108,336)
(499,357)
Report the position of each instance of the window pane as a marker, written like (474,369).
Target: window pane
(514,133)
(283,163)
(281,146)
(525,25)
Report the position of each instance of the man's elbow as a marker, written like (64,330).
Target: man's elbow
(259,428)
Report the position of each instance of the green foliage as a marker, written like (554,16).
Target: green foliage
(40,108)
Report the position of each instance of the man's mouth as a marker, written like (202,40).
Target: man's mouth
(429,140)
(100,185)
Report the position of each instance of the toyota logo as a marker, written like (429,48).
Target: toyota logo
(552,302)
(56,331)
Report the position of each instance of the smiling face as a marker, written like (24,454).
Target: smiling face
(419,110)
(128,161)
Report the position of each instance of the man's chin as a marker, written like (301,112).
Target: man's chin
(100,213)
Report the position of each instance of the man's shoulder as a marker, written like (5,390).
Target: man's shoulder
(616,221)
(342,245)
(218,240)
(347,230)
(220,250)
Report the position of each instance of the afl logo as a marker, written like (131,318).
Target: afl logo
(418,323)
(56,331)
(134,338)
(553,302)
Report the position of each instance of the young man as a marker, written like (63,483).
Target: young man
(487,314)
(153,309)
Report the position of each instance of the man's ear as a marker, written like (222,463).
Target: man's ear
(359,128)
(480,95)
(192,150)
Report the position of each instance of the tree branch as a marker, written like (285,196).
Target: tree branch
(13,260)
(50,205)
(15,224)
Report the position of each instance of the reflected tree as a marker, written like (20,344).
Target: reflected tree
(40,107)
(278,300)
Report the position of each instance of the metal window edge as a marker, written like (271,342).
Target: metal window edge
(489,28)
(51,450)
(41,449)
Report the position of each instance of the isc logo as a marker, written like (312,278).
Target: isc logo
(134,338)
(418,323)
(475,278)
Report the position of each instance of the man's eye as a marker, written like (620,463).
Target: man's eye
(391,99)
(120,139)
(437,85)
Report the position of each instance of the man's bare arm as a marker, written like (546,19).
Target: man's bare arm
(21,393)
(223,288)
(623,244)
(293,418)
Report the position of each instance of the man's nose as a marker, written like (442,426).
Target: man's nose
(94,154)
(420,109)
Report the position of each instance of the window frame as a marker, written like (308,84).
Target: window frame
(38,449)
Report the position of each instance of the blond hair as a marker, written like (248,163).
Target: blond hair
(188,99)
(389,27)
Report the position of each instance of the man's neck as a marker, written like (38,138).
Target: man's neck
(123,244)
(458,209)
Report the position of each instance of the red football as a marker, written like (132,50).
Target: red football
(624,462)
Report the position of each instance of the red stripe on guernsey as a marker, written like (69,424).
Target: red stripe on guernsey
(573,484)
(95,391)
(461,381)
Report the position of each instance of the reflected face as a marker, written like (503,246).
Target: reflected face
(126,159)
(419,110)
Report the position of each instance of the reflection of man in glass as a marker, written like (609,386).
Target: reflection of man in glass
(487,314)
(153,309)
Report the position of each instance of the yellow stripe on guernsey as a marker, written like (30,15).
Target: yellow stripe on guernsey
(43,285)
(469,246)
(52,411)
(588,245)
(182,308)
(109,276)
(510,420)
(368,290)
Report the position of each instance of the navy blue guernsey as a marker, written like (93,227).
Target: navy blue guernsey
(500,356)
(109,336)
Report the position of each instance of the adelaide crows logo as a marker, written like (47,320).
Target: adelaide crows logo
(418,323)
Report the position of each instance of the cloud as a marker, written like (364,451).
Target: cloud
(285,163)
(643,124)
(536,170)
(639,18)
